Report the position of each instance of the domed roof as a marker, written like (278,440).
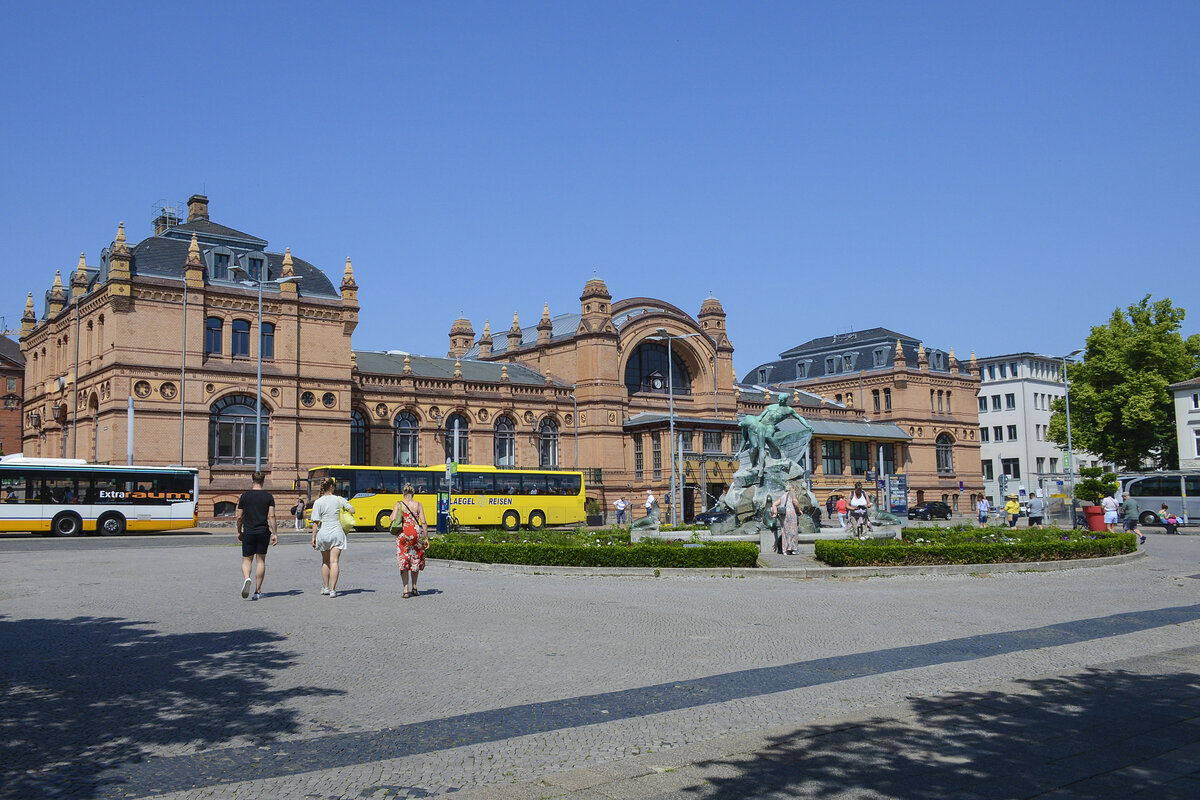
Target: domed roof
(595,288)
(712,306)
(462,326)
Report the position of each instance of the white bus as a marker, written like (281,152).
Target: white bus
(69,496)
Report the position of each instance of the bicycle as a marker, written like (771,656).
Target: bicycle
(858,522)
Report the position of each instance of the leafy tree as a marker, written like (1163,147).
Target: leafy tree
(1121,409)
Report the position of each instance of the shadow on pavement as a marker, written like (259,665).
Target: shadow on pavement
(85,696)
(1099,734)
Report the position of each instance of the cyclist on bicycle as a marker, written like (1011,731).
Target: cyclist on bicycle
(859,506)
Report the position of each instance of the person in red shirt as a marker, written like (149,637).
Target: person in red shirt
(841,511)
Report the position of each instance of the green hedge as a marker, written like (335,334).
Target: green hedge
(724,554)
(850,553)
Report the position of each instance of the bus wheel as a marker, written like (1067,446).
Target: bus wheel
(537,521)
(383,522)
(511,521)
(111,525)
(1149,518)
(66,524)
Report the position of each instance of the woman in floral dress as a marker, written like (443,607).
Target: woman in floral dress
(412,538)
(791,524)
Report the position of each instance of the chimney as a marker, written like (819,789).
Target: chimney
(197,207)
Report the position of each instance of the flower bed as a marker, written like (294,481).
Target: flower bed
(581,548)
(964,545)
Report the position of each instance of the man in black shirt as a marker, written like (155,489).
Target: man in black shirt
(257,530)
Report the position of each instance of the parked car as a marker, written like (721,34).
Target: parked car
(711,516)
(931,510)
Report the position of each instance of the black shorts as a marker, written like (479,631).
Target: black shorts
(1035,520)
(255,544)
(1130,524)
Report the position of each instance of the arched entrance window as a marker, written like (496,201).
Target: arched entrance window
(648,371)
(457,444)
(231,424)
(506,442)
(945,454)
(358,438)
(406,429)
(548,444)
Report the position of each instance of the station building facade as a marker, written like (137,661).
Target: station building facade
(168,328)
(887,376)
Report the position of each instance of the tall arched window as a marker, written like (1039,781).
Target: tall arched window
(231,424)
(506,442)
(213,334)
(457,445)
(405,431)
(358,438)
(548,444)
(268,340)
(648,371)
(945,454)
(240,345)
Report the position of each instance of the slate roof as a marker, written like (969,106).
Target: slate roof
(652,418)
(873,430)
(11,351)
(392,363)
(164,256)
(860,346)
(807,399)
(206,227)
(1194,383)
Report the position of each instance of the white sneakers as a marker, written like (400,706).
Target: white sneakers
(324,590)
(256,596)
(246,588)
(332,593)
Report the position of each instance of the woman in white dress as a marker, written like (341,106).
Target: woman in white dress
(328,536)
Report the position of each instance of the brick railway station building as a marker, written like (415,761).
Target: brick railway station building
(168,327)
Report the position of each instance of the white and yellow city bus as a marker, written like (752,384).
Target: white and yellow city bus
(69,496)
(479,496)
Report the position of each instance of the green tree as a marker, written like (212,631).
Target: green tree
(1121,409)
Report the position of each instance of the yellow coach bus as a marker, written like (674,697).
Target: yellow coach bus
(479,496)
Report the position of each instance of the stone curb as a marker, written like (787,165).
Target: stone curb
(795,573)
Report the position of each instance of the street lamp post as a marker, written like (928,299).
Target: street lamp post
(258,283)
(1070,447)
(575,419)
(662,334)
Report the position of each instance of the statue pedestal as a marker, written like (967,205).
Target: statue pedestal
(644,532)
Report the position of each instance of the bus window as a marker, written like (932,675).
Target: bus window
(534,484)
(571,484)
(1155,486)
(508,482)
(367,482)
(477,483)
(422,482)
(389,481)
(13,490)
(344,483)
(58,489)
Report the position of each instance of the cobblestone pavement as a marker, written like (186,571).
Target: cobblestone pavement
(139,671)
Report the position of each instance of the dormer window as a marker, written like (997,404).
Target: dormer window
(878,356)
(830,365)
(762,376)
(848,362)
(801,369)
(256,269)
(220,270)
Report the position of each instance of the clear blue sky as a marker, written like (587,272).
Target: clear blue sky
(988,176)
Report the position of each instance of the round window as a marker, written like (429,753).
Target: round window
(308,398)
(329,400)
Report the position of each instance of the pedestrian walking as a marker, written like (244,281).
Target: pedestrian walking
(983,508)
(298,511)
(830,504)
(412,539)
(1037,511)
(329,537)
(649,501)
(789,520)
(621,505)
(841,511)
(1129,513)
(257,530)
(1110,512)
(1012,510)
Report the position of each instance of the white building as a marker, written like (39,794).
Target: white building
(1015,393)
(1187,422)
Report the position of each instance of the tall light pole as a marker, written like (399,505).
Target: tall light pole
(662,335)
(257,282)
(1070,447)
(575,419)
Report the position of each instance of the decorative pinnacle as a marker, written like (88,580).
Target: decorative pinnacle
(349,272)
(407,364)
(82,268)
(120,233)
(29,313)
(193,256)
(504,372)
(58,284)
(516,326)
(287,263)
(487,329)
(546,311)
(457,368)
